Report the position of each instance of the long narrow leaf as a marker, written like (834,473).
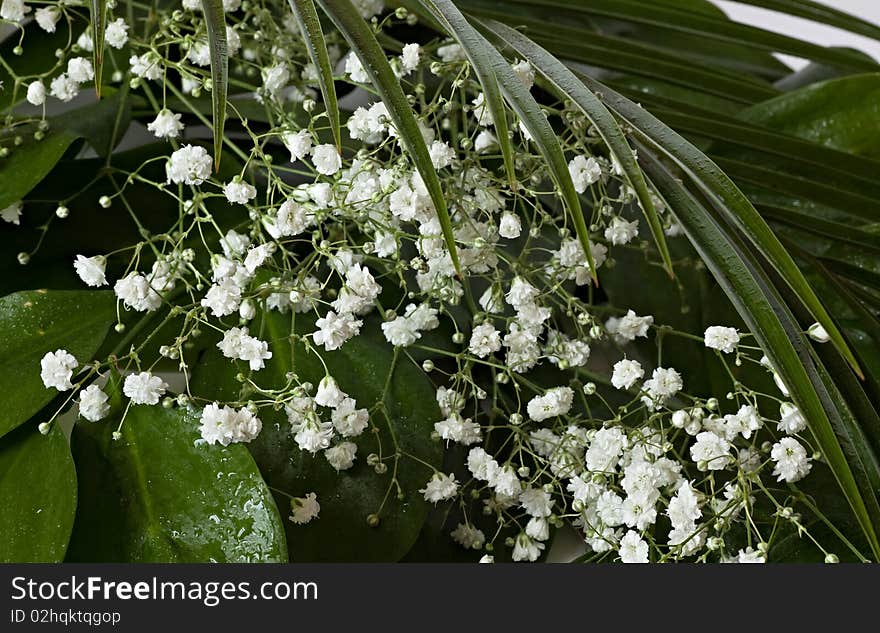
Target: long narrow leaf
(475,49)
(708,26)
(599,116)
(310,26)
(99,24)
(215,20)
(775,330)
(361,39)
(534,120)
(725,194)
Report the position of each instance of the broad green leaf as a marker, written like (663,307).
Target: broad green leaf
(599,116)
(770,320)
(814,73)
(370,372)
(307,18)
(215,19)
(35,322)
(159,494)
(728,199)
(98,9)
(840,113)
(475,48)
(362,40)
(28,164)
(37,494)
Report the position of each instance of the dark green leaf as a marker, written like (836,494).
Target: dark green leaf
(35,322)
(362,40)
(307,17)
(215,19)
(158,494)
(363,367)
(98,9)
(37,494)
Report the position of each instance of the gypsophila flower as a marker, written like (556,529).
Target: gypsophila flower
(56,369)
(144,388)
(91,270)
(790,457)
(36,93)
(189,165)
(554,402)
(64,88)
(166,125)
(584,172)
(341,456)
(80,70)
(722,338)
(485,340)
(409,58)
(791,420)
(633,549)
(304,509)
(93,403)
(711,452)
(510,226)
(116,33)
(12,213)
(440,487)
(621,232)
(239,192)
(468,536)
(326,159)
(626,373)
(818,333)
(299,144)
(526,549)
(47,18)
(225,425)
(329,394)
(14,10)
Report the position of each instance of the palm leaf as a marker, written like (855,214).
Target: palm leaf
(309,25)
(565,81)
(98,10)
(361,39)
(215,20)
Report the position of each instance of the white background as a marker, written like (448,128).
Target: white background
(804,29)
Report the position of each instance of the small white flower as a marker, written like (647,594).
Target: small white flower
(80,70)
(326,159)
(64,88)
(166,124)
(56,369)
(633,549)
(304,509)
(329,394)
(239,192)
(275,78)
(621,232)
(485,340)
(818,333)
(36,93)
(711,451)
(554,402)
(225,425)
(299,144)
(468,536)
(146,66)
(510,226)
(116,33)
(791,420)
(12,213)
(440,488)
(441,154)
(91,270)
(722,338)
(527,549)
(14,10)
(626,373)
(47,18)
(190,165)
(790,457)
(144,388)
(584,172)
(355,70)
(341,456)
(93,405)
(335,329)
(409,58)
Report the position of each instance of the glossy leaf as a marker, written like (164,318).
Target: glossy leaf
(363,367)
(35,322)
(779,335)
(37,494)
(475,47)
(159,494)
(98,10)
(307,18)
(599,116)
(215,19)
(362,40)
(728,199)
(840,113)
